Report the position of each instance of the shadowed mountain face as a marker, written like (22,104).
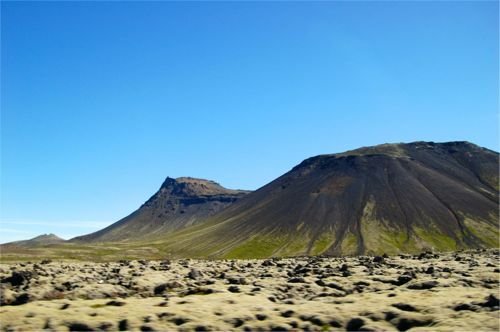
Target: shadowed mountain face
(178,203)
(388,198)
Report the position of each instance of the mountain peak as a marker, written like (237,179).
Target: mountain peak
(397,150)
(404,149)
(389,149)
(191,187)
(180,202)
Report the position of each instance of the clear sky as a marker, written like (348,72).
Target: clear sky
(100,101)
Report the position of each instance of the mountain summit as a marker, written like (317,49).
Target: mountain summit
(388,198)
(178,203)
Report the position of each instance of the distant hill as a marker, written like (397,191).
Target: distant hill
(388,198)
(179,203)
(44,239)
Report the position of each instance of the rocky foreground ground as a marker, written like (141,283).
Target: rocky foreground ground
(454,291)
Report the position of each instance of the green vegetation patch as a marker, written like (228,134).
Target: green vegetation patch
(487,233)
(322,243)
(378,239)
(259,246)
(349,244)
(436,240)
(295,245)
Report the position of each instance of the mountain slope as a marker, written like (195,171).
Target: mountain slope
(388,198)
(177,204)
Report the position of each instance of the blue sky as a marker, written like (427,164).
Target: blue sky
(100,101)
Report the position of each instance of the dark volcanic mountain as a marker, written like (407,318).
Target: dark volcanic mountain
(178,203)
(388,198)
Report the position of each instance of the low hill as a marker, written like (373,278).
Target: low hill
(44,239)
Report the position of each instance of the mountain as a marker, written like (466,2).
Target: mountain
(389,198)
(177,204)
(44,239)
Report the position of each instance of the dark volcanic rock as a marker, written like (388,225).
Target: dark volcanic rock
(160,289)
(424,285)
(491,302)
(115,303)
(465,306)
(123,325)
(287,313)
(355,324)
(21,299)
(18,278)
(194,274)
(404,324)
(378,259)
(234,289)
(76,326)
(261,316)
(179,320)
(237,281)
(404,307)
(403,279)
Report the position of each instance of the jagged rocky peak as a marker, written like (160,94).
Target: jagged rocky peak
(179,203)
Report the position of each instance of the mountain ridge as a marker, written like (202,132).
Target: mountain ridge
(178,203)
(388,198)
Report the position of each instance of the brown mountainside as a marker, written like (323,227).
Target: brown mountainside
(177,204)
